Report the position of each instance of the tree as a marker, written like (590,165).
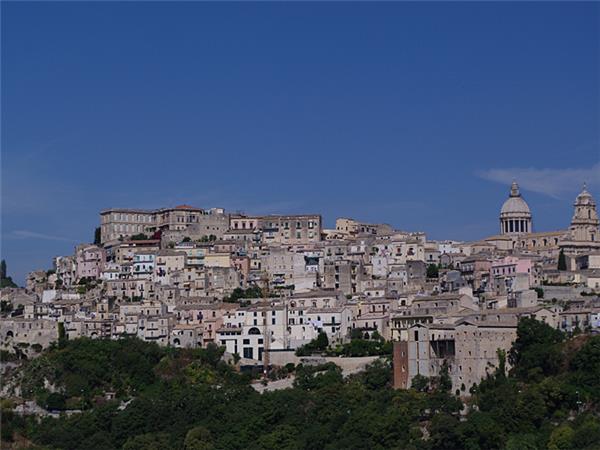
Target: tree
(356,333)
(433,271)
(562,261)
(443,432)
(535,352)
(149,441)
(501,371)
(5,280)
(420,383)
(55,402)
(318,344)
(97,236)
(521,442)
(322,341)
(62,334)
(282,437)
(445,382)
(198,438)
(561,438)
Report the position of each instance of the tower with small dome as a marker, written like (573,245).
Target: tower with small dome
(584,224)
(515,216)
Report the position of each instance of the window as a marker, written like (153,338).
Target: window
(246,341)
(248,353)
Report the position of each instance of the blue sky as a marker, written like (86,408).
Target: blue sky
(418,115)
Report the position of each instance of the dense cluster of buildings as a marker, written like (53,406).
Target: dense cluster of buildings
(261,286)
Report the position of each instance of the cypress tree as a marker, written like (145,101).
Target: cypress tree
(562,261)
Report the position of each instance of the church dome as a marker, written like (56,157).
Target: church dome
(515,216)
(515,205)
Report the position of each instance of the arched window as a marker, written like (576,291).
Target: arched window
(254,330)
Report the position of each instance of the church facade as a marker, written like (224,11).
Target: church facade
(516,228)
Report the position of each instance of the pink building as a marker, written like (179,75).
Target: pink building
(90,260)
(510,265)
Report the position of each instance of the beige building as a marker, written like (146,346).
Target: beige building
(281,229)
(345,227)
(124,252)
(217,260)
(119,223)
(469,348)
(288,268)
(27,332)
(166,263)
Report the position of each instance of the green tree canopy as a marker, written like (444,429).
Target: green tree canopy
(535,352)
(97,236)
(562,261)
(432,271)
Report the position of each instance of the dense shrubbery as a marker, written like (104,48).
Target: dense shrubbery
(359,345)
(240,294)
(193,400)
(317,345)
(84,368)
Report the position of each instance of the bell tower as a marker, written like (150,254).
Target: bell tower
(584,224)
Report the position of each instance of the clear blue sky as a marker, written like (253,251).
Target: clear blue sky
(417,115)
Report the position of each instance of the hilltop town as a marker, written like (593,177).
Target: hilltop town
(273,289)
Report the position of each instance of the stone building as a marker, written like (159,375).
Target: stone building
(27,332)
(350,228)
(118,223)
(469,349)
(281,229)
